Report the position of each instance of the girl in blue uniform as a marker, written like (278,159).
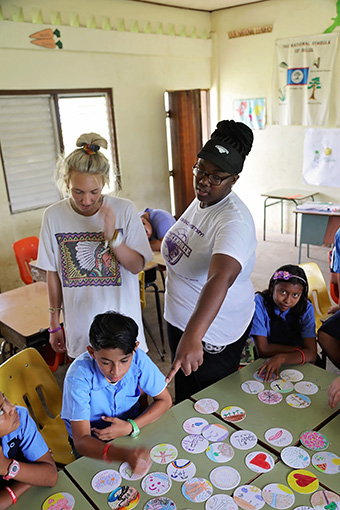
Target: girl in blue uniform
(283,326)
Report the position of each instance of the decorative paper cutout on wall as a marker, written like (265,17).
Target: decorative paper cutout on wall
(251,112)
(45,38)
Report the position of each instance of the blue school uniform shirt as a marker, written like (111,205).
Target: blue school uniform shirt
(25,443)
(261,321)
(88,395)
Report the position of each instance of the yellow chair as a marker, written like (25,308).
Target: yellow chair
(26,380)
(318,293)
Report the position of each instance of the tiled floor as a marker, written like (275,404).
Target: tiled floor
(277,250)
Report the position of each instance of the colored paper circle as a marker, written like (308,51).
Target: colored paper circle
(325,500)
(220,501)
(270,397)
(303,481)
(197,489)
(298,400)
(261,377)
(278,496)
(126,472)
(248,497)
(206,405)
(243,439)
(156,484)
(306,387)
(220,452)
(326,462)
(194,425)
(282,386)
(215,432)
(123,497)
(291,375)
(278,436)
(181,469)
(63,499)
(314,440)
(252,387)
(160,504)
(225,477)
(260,462)
(194,443)
(163,453)
(295,457)
(233,413)
(106,481)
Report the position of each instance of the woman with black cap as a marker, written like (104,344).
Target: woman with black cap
(210,254)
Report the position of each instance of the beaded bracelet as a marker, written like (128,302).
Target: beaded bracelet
(12,494)
(303,355)
(105,455)
(54,330)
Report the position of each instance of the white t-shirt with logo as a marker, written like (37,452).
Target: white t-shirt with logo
(225,228)
(92,279)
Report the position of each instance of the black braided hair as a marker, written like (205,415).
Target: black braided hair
(237,134)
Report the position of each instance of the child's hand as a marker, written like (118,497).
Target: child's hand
(334,392)
(271,367)
(109,218)
(139,460)
(118,428)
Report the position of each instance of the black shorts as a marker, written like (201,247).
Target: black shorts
(332,326)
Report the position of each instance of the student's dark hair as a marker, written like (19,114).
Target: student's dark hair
(292,274)
(112,330)
(236,134)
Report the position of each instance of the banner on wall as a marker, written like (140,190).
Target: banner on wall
(303,76)
(321,157)
(251,112)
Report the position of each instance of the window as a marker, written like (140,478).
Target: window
(36,126)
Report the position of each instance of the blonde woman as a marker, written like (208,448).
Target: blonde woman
(92,246)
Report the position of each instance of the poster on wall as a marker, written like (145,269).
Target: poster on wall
(251,112)
(321,157)
(302,79)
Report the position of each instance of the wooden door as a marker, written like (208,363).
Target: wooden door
(188,115)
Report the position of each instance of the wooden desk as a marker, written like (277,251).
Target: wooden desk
(279,195)
(24,314)
(317,228)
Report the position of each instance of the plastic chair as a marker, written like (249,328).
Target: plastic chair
(333,287)
(25,250)
(27,381)
(142,287)
(318,293)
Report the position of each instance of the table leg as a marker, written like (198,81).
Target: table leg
(264,219)
(281,216)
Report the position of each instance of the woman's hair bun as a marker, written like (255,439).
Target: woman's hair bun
(237,134)
(91,139)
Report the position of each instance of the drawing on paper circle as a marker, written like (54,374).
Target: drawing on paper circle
(215,432)
(243,439)
(220,452)
(248,497)
(195,443)
(62,500)
(295,457)
(298,400)
(303,481)
(206,405)
(270,397)
(225,477)
(233,413)
(290,374)
(260,462)
(326,462)
(106,481)
(252,387)
(157,483)
(314,440)
(163,453)
(282,386)
(181,469)
(123,497)
(197,489)
(278,436)
(194,425)
(278,496)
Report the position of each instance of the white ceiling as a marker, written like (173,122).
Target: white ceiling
(202,5)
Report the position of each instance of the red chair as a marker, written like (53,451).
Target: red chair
(333,287)
(25,250)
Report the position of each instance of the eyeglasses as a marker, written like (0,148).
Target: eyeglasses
(214,180)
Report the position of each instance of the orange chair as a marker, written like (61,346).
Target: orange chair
(25,250)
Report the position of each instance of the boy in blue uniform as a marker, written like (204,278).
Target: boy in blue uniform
(24,456)
(102,388)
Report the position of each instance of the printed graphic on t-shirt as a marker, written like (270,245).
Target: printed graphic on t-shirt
(176,246)
(85,260)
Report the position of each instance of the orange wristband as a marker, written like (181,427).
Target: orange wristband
(302,354)
(106,449)
(12,494)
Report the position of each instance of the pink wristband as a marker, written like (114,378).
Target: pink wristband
(302,354)
(54,330)
(12,494)
(106,449)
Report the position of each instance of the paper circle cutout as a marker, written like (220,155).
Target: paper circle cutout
(248,497)
(156,484)
(219,501)
(295,457)
(106,481)
(220,452)
(63,497)
(194,443)
(270,397)
(252,387)
(206,405)
(225,477)
(243,439)
(126,472)
(278,496)
(197,489)
(291,375)
(278,436)
(303,481)
(282,386)
(194,425)
(163,453)
(326,462)
(215,432)
(325,500)
(181,469)
(260,462)
(233,414)
(306,387)
(314,440)
(160,504)
(261,377)
(126,497)
(298,400)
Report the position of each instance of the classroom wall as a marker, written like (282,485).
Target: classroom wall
(243,69)
(139,63)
